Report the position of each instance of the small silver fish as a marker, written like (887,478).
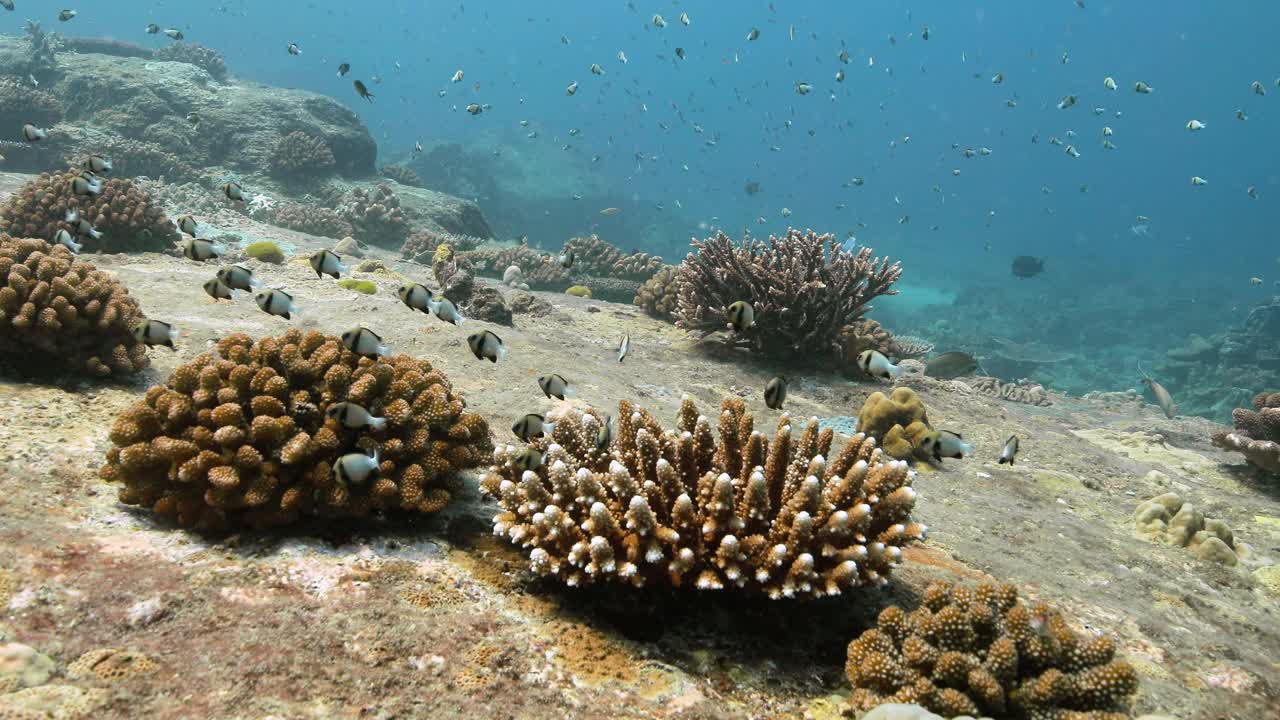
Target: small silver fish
(215,289)
(624,347)
(486,345)
(66,15)
(356,468)
(1009,452)
(363,341)
(152,28)
(457,77)
(566,259)
(556,386)
(186,224)
(1258,88)
(155,332)
(200,249)
(741,315)
(659,21)
(572,88)
(803,88)
(327,262)
(684,19)
(532,426)
(475,108)
(775,393)
(875,364)
(82,185)
(354,417)
(753,34)
(238,277)
(622,57)
(174,33)
(596,69)
(276,302)
(1142,88)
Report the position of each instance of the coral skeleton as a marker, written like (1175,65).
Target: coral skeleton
(772,516)
(983,650)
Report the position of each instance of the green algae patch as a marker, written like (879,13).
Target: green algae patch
(265,251)
(361,286)
(581,291)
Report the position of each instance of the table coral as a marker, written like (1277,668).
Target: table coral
(1169,519)
(676,507)
(240,436)
(123,212)
(376,217)
(60,312)
(659,294)
(804,288)
(972,650)
(301,156)
(897,421)
(1256,434)
(208,59)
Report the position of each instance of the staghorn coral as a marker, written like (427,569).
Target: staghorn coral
(239,436)
(858,336)
(300,156)
(20,103)
(421,245)
(208,59)
(59,312)
(123,212)
(1023,391)
(1256,434)
(597,258)
(376,217)
(1171,520)
(983,650)
(401,174)
(311,220)
(770,516)
(897,421)
(803,285)
(658,295)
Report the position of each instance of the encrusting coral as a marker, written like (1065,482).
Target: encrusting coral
(299,155)
(57,311)
(1169,519)
(897,421)
(659,294)
(676,507)
(376,217)
(803,286)
(208,59)
(401,174)
(967,651)
(241,435)
(123,212)
(1256,434)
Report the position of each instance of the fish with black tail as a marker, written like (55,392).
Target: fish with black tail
(1009,452)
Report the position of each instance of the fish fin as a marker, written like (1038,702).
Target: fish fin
(384,351)
(548,428)
(569,392)
(377,423)
(894,372)
(502,353)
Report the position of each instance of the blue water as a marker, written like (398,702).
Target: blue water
(1104,286)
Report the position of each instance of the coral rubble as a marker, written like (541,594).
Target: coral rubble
(1257,432)
(208,59)
(983,650)
(376,217)
(770,516)
(123,212)
(659,294)
(897,421)
(804,288)
(241,435)
(57,311)
(1171,520)
(301,156)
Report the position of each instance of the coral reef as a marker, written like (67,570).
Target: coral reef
(1171,520)
(596,258)
(659,294)
(241,435)
(540,270)
(897,421)
(210,60)
(366,287)
(107,46)
(401,174)
(376,217)
(581,291)
(983,650)
(421,244)
(1257,432)
(804,288)
(131,158)
(309,219)
(20,103)
(676,507)
(123,212)
(910,347)
(618,290)
(1024,391)
(859,336)
(300,156)
(265,251)
(59,312)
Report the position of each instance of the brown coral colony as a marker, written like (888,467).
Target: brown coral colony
(242,436)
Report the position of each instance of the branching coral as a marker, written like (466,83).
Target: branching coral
(597,258)
(57,311)
(208,59)
(401,174)
(421,245)
(540,270)
(1257,432)
(659,294)
(301,156)
(897,421)
(771,516)
(910,347)
(241,435)
(1023,391)
(20,103)
(308,219)
(376,217)
(123,212)
(804,288)
(982,650)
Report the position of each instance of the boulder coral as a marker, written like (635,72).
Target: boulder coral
(1256,434)
(123,212)
(968,651)
(772,516)
(240,435)
(540,270)
(804,287)
(59,312)
(376,217)
(897,421)
(658,295)
(1027,392)
(300,156)
(208,59)
(1171,520)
